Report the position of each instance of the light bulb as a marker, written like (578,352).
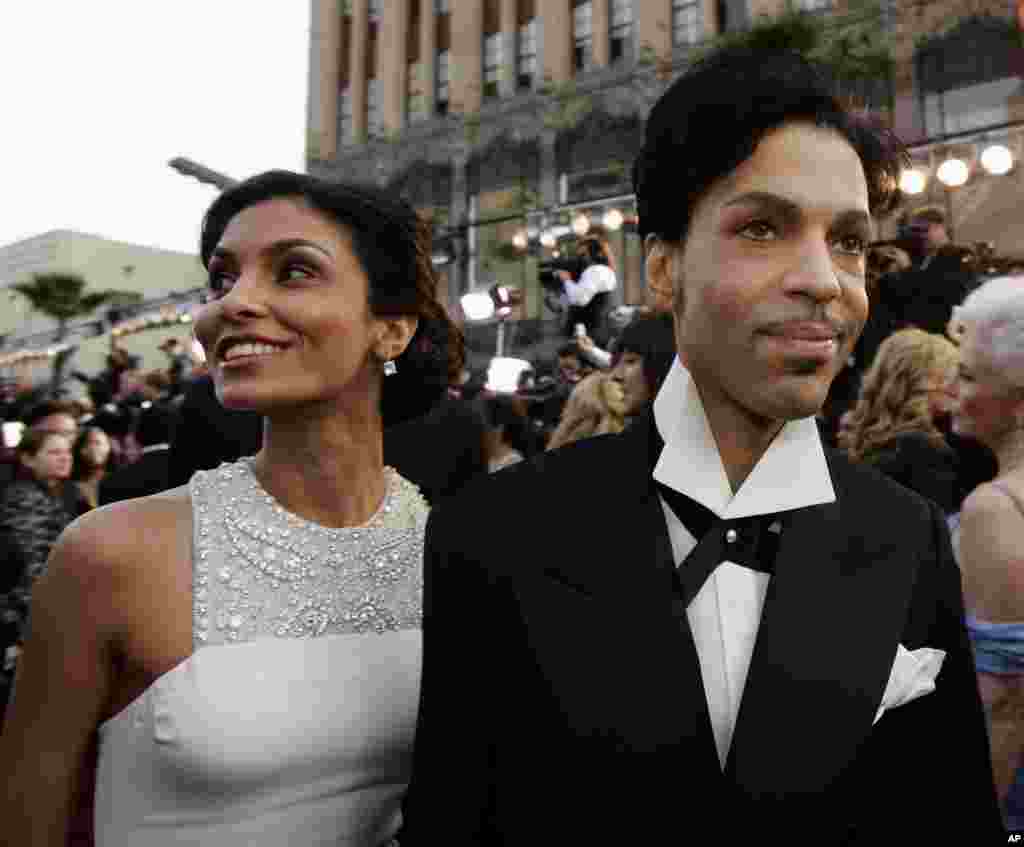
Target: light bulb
(613,219)
(581,224)
(519,240)
(997,159)
(912,181)
(953,173)
(477,305)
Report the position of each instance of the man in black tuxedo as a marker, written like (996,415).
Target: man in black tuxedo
(151,473)
(714,630)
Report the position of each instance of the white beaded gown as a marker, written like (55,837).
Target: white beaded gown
(292,721)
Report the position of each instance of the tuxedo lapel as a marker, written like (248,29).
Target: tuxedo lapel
(817,673)
(608,625)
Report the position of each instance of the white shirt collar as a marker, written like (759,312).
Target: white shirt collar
(154,447)
(791,474)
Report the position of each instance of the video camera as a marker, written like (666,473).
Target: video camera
(547,272)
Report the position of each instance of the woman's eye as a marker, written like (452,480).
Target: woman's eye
(218,284)
(294,271)
(852,244)
(759,230)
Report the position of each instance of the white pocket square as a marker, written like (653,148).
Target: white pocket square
(913,675)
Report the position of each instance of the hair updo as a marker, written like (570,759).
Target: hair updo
(393,246)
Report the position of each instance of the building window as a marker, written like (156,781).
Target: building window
(492,64)
(374,9)
(415,109)
(374,115)
(442,7)
(969,108)
(620,30)
(345,118)
(526,58)
(583,34)
(814,5)
(441,81)
(686,22)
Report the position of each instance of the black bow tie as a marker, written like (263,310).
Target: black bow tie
(752,542)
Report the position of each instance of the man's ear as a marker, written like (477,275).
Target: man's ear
(395,335)
(659,264)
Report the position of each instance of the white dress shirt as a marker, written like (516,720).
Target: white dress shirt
(725,615)
(595,280)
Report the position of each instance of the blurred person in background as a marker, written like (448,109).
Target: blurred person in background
(589,296)
(92,456)
(990,541)
(151,473)
(893,426)
(644,353)
(34,510)
(595,407)
(507,430)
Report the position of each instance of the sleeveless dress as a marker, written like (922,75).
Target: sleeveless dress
(292,722)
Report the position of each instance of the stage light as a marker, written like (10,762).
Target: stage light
(520,240)
(997,159)
(912,181)
(613,219)
(953,172)
(477,305)
(581,225)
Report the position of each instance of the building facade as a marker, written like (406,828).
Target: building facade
(104,264)
(481,110)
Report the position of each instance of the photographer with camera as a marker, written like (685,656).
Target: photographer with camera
(583,287)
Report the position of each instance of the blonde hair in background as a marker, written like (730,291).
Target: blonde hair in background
(894,396)
(587,413)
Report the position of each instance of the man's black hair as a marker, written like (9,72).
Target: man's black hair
(713,117)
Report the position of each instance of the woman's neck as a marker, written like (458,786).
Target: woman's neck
(1010,452)
(326,468)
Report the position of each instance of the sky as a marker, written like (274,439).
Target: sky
(98,96)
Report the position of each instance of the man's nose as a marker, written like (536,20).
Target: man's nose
(814,274)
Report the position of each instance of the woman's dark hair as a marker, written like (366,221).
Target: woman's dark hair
(509,413)
(713,117)
(653,338)
(393,246)
(80,467)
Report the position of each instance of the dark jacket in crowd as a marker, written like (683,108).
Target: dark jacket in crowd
(150,474)
(944,474)
(439,451)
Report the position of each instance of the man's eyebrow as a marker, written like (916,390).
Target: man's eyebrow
(277,248)
(792,211)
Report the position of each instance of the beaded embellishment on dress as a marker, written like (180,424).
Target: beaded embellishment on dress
(260,570)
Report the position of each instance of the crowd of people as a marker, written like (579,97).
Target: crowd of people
(817,443)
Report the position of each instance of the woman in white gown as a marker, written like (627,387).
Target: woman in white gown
(236,662)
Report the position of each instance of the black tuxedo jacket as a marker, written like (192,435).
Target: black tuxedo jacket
(150,474)
(562,700)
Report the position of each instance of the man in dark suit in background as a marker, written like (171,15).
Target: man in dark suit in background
(151,473)
(714,627)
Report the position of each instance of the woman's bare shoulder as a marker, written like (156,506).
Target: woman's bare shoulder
(121,537)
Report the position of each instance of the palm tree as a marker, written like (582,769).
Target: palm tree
(62,296)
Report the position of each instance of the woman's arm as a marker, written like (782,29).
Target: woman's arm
(61,688)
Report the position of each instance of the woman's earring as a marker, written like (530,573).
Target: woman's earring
(390,368)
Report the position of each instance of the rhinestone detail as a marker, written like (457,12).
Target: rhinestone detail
(261,570)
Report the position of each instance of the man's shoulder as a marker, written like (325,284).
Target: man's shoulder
(579,472)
